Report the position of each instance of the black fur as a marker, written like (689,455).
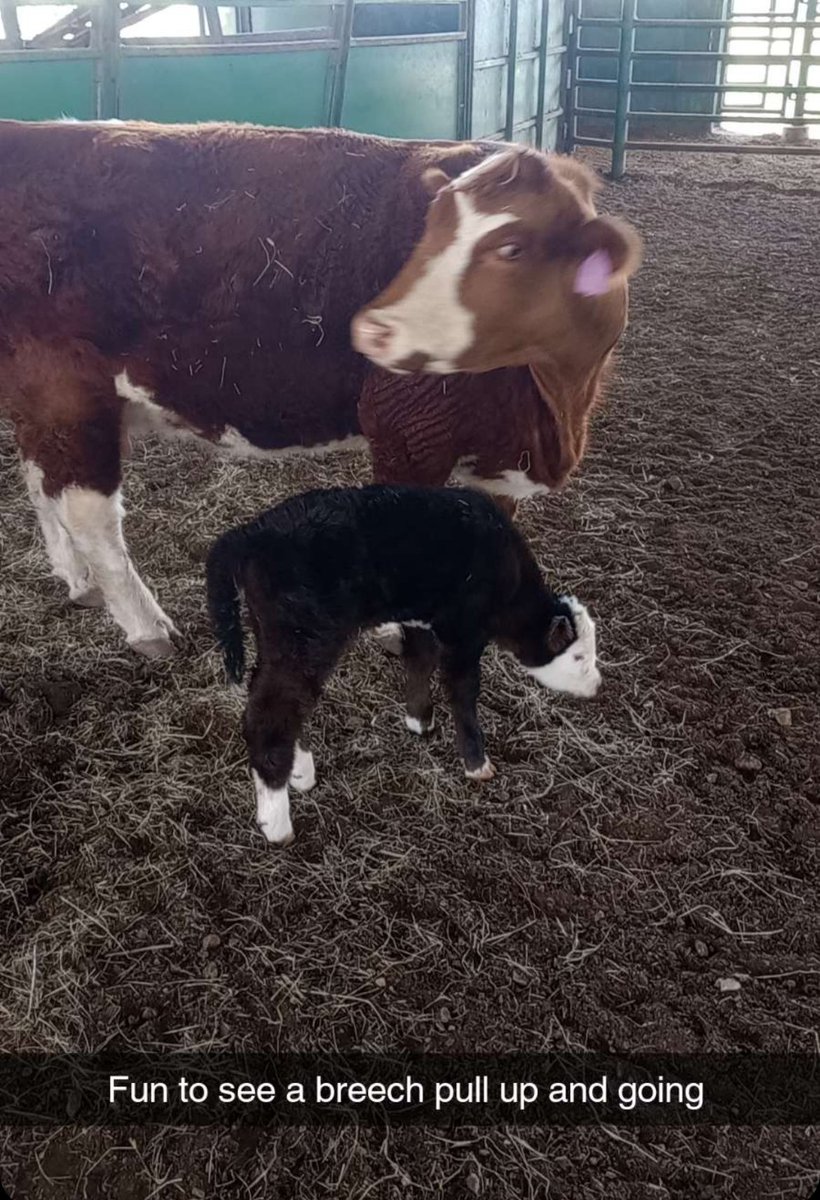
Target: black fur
(322,566)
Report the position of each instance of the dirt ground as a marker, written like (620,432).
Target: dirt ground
(632,852)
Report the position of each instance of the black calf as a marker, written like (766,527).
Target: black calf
(446,564)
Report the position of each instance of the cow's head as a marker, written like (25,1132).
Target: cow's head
(513,268)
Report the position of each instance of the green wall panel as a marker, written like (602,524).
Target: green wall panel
(271,89)
(44,91)
(403,91)
(489,101)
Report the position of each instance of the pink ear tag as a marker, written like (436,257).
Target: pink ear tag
(594,275)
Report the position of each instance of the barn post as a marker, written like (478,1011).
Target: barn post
(337,92)
(512,59)
(107,27)
(799,120)
(623,96)
(11,24)
(466,62)
(572,10)
(542,74)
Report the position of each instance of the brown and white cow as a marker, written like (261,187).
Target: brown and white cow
(202,280)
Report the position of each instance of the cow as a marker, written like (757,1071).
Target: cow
(317,569)
(206,281)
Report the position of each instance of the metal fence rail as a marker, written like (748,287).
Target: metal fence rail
(795,33)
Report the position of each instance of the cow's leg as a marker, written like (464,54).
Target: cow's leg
(94,522)
(73,473)
(462,681)
(66,562)
(420,653)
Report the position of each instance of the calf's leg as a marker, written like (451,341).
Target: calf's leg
(420,654)
(282,693)
(461,674)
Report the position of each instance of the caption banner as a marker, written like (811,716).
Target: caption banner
(197,1089)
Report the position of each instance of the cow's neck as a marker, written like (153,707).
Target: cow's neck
(569,405)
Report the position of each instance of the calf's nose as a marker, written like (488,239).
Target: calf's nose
(372,335)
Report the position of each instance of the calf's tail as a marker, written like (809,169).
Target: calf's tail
(223,574)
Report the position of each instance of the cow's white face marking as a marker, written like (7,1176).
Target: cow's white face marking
(273,811)
(515,484)
(431,318)
(575,671)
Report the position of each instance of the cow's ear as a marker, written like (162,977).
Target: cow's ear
(434,179)
(610,251)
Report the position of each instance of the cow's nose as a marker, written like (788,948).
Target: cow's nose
(372,335)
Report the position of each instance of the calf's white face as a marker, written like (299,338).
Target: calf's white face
(575,670)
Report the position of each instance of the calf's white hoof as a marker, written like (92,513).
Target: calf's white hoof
(273,812)
(419,727)
(280,842)
(303,775)
(154,648)
(484,773)
(389,638)
(91,598)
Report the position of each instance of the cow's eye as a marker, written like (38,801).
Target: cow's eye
(509,251)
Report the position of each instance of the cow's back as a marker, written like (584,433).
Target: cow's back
(218,266)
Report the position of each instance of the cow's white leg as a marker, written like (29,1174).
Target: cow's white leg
(94,523)
(273,811)
(303,771)
(66,562)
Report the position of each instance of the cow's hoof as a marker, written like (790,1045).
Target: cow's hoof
(154,648)
(483,773)
(419,727)
(92,598)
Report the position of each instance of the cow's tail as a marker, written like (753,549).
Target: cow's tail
(223,573)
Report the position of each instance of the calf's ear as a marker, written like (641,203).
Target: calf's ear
(610,252)
(434,179)
(560,635)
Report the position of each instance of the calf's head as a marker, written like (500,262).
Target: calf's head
(560,652)
(513,268)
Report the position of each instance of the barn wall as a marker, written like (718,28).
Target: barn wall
(492,65)
(415,81)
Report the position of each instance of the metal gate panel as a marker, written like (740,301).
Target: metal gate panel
(518,64)
(627,66)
